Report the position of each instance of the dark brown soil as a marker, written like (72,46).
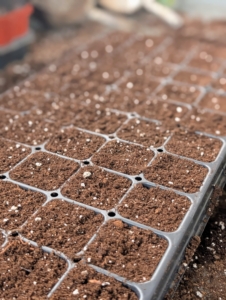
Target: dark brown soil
(160,209)
(60,110)
(6,118)
(193,78)
(123,157)
(29,129)
(158,69)
(100,120)
(143,132)
(44,171)
(131,252)
(85,282)
(139,49)
(17,205)
(74,143)
(96,187)
(173,172)
(181,93)
(63,226)
(172,55)
(162,111)
(206,62)
(220,83)
(205,275)
(196,146)
(214,101)
(138,86)
(214,50)
(11,153)
(27,272)
(207,122)
(20,99)
(2,239)
(50,82)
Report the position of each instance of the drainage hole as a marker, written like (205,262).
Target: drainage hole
(159,150)
(54,194)
(2,177)
(14,234)
(138,178)
(38,148)
(111,214)
(76,259)
(86,162)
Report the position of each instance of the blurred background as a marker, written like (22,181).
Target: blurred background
(34,33)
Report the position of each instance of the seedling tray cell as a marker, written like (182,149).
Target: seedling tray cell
(85,282)
(40,165)
(214,101)
(96,187)
(124,149)
(11,153)
(63,226)
(17,205)
(24,266)
(179,92)
(65,142)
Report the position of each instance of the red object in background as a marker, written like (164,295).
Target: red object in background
(14,24)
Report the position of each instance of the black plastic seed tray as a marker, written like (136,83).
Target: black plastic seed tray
(194,220)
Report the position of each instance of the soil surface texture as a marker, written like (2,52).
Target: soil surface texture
(84,282)
(2,238)
(20,99)
(123,249)
(11,153)
(176,173)
(162,111)
(28,272)
(74,143)
(208,122)
(63,227)
(123,157)
(29,129)
(148,134)
(96,187)
(17,205)
(99,120)
(160,209)
(194,146)
(44,171)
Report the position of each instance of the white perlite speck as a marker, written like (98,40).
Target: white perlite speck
(38,164)
(76,292)
(222,225)
(38,219)
(199,294)
(87,174)
(13,207)
(105,283)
